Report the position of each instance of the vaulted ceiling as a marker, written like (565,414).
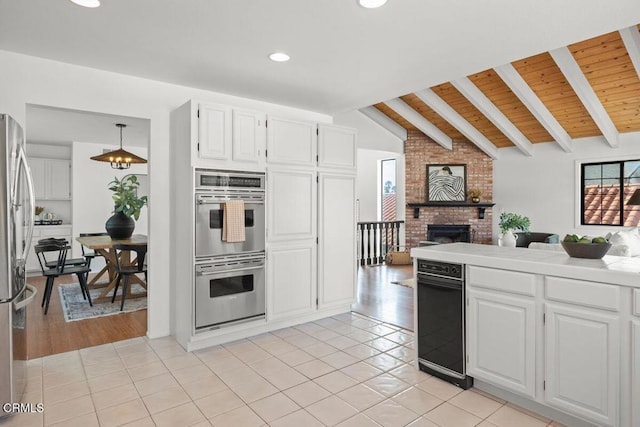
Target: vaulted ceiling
(586,89)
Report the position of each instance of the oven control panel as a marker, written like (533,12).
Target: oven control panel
(445,269)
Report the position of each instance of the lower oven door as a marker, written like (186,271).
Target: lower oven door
(209,219)
(229,293)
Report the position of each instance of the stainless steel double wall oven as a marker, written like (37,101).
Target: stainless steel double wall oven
(229,277)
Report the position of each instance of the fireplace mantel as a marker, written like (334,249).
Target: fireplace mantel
(481,206)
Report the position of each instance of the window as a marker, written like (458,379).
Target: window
(388,193)
(606,187)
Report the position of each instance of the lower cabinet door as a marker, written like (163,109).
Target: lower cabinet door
(501,340)
(291,279)
(582,362)
(337,233)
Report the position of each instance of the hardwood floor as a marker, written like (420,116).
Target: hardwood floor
(50,334)
(379,298)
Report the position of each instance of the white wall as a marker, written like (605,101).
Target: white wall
(30,80)
(371,135)
(369,183)
(48,151)
(92,204)
(546,188)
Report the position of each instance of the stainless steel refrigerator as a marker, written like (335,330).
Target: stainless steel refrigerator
(16,229)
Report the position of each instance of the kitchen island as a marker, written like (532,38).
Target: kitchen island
(557,335)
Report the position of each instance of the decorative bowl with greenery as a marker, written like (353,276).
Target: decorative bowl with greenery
(125,196)
(474,194)
(512,221)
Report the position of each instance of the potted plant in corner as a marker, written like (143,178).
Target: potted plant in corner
(126,209)
(509,222)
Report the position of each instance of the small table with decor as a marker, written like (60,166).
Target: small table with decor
(103,245)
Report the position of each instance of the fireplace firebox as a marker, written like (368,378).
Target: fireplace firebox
(448,233)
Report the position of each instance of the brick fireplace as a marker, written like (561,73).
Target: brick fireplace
(420,150)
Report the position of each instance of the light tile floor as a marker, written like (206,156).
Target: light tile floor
(348,370)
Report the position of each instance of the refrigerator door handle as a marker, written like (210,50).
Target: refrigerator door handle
(22,304)
(29,213)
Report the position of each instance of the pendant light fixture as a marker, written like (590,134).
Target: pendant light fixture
(119,159)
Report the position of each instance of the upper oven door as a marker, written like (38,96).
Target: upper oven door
(209,219)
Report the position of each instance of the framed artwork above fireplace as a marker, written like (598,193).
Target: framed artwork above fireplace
(447,183)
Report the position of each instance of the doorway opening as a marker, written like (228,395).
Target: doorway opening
(73,196)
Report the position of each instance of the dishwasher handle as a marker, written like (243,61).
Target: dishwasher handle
(439,282)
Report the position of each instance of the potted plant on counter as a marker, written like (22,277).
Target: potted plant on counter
(509,222)
(127,206)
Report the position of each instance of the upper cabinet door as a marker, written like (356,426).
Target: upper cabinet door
(249,135)
(337,147)
(39,175)
(291,142)
(59,179)
(214,132)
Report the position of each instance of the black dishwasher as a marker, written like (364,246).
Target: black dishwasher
(441,330)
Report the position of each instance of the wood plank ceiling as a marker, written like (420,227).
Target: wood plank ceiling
(610,63)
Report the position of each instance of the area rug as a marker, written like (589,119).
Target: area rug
(75,307)
(410,283)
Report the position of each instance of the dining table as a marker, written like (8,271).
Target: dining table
(103,245)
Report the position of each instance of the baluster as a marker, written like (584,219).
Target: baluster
(386,240)
(375,242)
(368,244)
(393,240)
(361,231)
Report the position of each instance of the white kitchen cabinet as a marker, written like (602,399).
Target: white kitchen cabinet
(337,237)
(214,132)
(249,136)
(291,279)
(582,362)
(59,179)
(291,142)
(51,178)
(501,332)
(291,205)
(39,177)
(337,147)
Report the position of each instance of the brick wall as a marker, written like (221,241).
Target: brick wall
(420,150)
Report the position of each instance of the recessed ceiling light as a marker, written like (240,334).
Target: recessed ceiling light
(87,3)
(279,57)
(371,4)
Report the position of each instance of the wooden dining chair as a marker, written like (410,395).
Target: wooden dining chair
(126,271)
(60,269)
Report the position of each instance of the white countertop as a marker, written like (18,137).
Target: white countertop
(610,269)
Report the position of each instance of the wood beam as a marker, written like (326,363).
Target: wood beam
(572,71)
(521,89)
(631,39)
(438,105)
(385,122)
(488,108)
(416,119)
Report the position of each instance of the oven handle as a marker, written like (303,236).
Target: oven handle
(220,201)
(234,270)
